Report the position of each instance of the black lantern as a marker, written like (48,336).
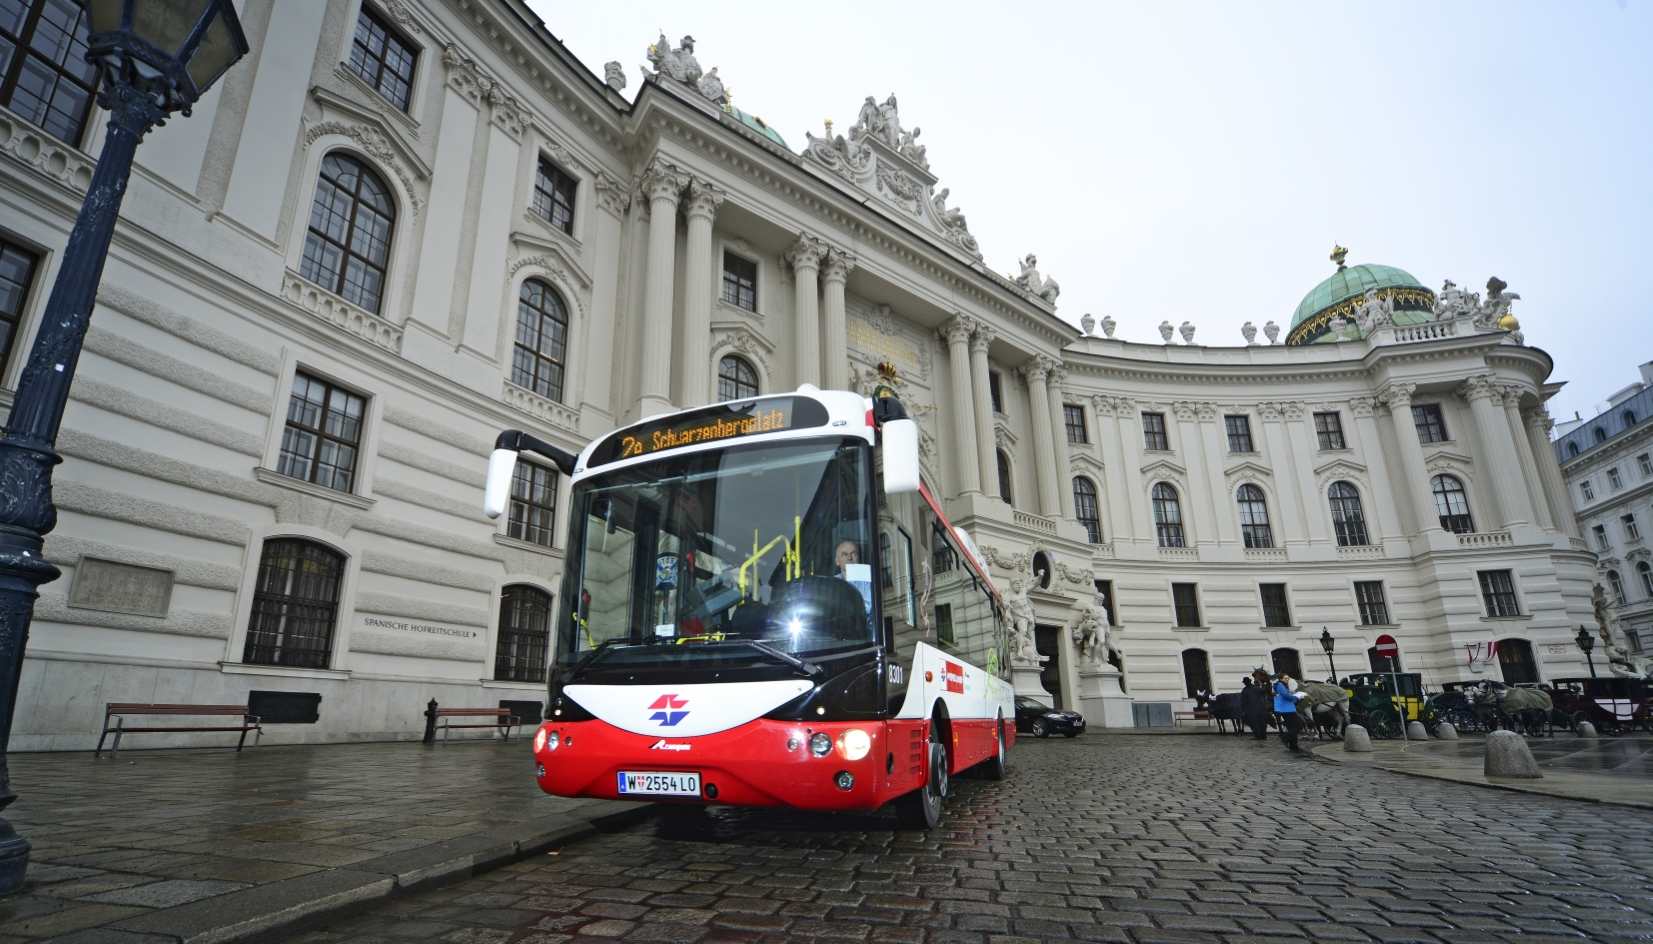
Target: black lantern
(1587,641)
(1327,643)
(154,58)
(171,50)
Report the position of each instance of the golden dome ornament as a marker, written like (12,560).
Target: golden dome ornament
(1509,323)
(1338,255)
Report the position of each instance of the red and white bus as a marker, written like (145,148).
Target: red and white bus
(762,605)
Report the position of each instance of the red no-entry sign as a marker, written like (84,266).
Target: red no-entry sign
(1386,647)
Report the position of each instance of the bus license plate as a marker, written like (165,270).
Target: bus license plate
(659,783)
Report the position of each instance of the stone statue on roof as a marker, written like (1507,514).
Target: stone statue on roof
(712,87)
(614,75)
(912,150)
(1033,284)
(678,64)
(1452,302)
(889,123)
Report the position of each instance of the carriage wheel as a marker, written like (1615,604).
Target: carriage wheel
(1382,725)
(1465,720)
(1612,728)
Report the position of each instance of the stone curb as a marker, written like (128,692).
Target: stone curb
(268,913)
(1526,786)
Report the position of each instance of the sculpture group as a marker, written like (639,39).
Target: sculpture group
(680,65)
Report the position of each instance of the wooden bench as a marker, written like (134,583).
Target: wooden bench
(118,710)
(1177,717)
(503,720)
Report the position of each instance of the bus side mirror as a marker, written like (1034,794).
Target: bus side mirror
(502,465)
(901,473)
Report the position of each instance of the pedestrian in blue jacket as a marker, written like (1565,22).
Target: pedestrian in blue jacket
(1285,705)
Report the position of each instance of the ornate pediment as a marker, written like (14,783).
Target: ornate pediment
(1083,463)
(1248,470)
(885,160)
(548,254)
(1444,461)
(1164,468)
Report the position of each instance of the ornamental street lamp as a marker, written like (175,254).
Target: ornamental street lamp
(1586,642)
(1326,643)
(155,57)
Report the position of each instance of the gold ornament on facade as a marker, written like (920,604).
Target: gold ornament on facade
(1338,255)
(1423,298)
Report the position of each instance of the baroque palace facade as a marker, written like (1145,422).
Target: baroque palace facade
(400,226)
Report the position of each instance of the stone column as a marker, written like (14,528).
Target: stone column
(982,408)
(662,184)
(1537,422)
(1059,434)
(956,333)
(1531,485)
(1037,374)
(597,370)
(835,359)
(701,208)
(1398,397)
(1382,500)
(805,259)
(1500,462)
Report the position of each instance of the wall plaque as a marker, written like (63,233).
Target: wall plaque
(120,588)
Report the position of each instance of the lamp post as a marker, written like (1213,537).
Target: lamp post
(155,57)
(1586,642)
(1326,643)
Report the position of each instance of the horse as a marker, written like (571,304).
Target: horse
(1223,708)
(1324,707)
(1518,709)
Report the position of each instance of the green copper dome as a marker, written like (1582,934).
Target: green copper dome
(755,123)
(1341,295)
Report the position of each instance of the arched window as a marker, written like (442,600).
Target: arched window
(1084,508)
(1617,585)
(736,380)
(1601,435)
(295,604)
(1287,661)
(1004,478)
(1572,449)
(1254,517)
(1347,517)
(1167,516)
(1629,418)
(542,340)
(350,225)
(1452,504)
(524,634)
(1645,571)
(1196,671)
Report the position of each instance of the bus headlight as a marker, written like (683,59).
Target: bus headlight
(820,745)
(539,740)
(854,744)
(546,741)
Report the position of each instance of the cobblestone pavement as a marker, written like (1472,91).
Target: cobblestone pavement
(1102,838)
(116,839)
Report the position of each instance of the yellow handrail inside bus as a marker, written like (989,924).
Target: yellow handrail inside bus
(791,554)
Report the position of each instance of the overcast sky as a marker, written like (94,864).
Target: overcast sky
(1197,161)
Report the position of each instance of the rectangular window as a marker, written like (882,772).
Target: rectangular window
(1374,611)
(383,58)
(1631,532)
(554,196)
(323,435)
(1073,416)
(1601,538)
(1329,428)
(1187,603)
(1275,611)
(1431,426)
(16,274)
(944,624)
(1153,432)
(1239,433)
(1645,460)
(533,503)
(1498,590)
(1585,490)
(44,75)
(995,392)
(1613,478)
(740,282)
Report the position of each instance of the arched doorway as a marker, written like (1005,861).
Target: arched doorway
(1287,662)
(1048,641)
(1196,671)
(1515,660)
(1380,664)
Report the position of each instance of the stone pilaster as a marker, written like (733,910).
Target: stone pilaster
(1377,465)
(1059,434)
(1531,485)
(956,332)
(982,410)
(662,186)
(835,359)
(1502,467)
(805,258)
(700,209)
(1037,374)
(1398,397)
(1537,422)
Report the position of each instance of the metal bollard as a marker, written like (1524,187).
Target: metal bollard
(430,722)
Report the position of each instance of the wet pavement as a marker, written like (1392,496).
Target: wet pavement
(1101,838)
(1629,757)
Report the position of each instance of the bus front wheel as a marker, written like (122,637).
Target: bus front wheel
(921,809)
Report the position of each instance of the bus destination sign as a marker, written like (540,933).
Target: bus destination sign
(734,420)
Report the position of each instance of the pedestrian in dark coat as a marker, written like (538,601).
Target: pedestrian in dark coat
(1254,705)
(1285,706)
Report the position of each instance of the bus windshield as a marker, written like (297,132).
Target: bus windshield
(707,550)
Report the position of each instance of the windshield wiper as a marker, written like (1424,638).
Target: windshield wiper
(591,657)
(808,668)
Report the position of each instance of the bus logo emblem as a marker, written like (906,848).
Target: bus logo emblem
(954,676)
(665,710)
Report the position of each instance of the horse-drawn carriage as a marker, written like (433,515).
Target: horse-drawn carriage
(1374,705)
(1613,705)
